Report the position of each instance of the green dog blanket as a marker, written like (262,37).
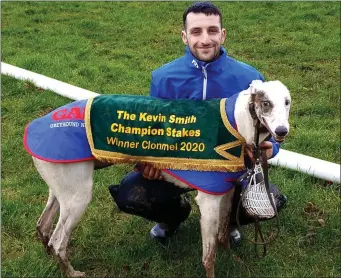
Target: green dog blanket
(172,134)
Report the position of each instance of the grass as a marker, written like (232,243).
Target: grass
(112,47)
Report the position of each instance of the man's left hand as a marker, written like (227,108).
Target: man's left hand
(266,145)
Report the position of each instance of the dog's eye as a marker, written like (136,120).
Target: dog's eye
(287,102)
(266,104)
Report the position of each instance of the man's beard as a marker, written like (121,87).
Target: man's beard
(208,57)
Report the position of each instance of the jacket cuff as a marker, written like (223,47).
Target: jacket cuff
(275,147)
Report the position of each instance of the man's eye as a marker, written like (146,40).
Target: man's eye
(214,31)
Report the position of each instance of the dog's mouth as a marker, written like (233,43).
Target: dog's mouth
(278,139)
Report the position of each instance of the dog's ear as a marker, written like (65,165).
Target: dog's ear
(254,86)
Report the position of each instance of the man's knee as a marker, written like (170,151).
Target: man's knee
(155,200)
(130,195)
(173,212)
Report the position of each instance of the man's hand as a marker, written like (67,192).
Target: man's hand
(266,145)
(150,172)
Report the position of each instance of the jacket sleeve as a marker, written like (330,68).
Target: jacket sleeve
(154,88)
(261,77)
(158,89)
(275,147)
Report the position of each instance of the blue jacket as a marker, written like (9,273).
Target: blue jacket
(187,77)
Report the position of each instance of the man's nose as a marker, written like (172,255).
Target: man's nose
(205,39)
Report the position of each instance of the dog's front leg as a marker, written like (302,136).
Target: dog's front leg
(209,206)
(224,218)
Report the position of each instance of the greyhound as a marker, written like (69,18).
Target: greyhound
(70,184)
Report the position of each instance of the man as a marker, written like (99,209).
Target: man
(204,72)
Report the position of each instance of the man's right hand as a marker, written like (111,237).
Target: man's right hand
(265,145)
(150,172)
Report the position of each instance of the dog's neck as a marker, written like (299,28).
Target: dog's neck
(244,120)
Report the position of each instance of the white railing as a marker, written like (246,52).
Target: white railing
(44,82)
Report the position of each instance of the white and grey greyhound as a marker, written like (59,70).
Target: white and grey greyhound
(70,184)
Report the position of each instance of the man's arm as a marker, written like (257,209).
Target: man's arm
(154,92)
(275,147)
(158,88)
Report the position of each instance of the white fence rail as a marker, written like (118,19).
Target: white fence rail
(306,164)
(44,82)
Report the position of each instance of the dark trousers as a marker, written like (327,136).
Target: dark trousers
(163,202)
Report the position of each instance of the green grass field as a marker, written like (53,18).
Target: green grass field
(112,48)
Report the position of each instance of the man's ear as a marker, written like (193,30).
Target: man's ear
(184,37)
(223,35)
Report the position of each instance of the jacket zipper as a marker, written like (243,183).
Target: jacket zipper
(205,82)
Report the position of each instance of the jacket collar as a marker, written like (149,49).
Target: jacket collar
(193,62)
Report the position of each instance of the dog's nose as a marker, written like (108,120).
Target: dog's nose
(281,130)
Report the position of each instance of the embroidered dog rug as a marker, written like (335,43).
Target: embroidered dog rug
(173,134)
(60,137)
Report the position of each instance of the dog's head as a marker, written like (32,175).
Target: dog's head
(272,105)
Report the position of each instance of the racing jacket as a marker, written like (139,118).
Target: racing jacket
(187,77)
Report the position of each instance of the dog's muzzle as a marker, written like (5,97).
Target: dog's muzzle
(280,132)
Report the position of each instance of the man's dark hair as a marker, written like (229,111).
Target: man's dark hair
(206,8)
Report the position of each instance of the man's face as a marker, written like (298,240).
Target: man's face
(204,36)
